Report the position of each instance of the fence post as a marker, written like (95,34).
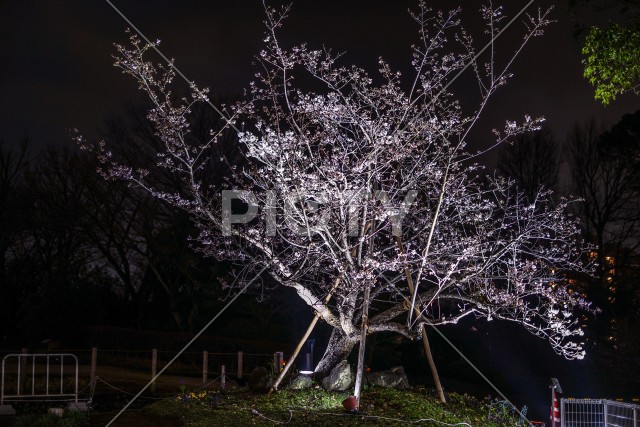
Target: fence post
(205,366)
(154,367)
(240,356)
(22,369)
(606,412)
(277,362)
(223,378)
(635,417)
(94,363)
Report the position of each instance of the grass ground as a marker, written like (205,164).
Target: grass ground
(313,407)
(316,407)
(239,407)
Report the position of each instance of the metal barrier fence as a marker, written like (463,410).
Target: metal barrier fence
(127,363)
(47,381)
(598,413)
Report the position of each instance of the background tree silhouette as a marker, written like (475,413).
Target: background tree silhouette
(532,159)
(604,172)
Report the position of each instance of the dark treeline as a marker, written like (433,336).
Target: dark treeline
(79,251)
(602,167)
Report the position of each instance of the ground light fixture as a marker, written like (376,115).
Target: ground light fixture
(306,358)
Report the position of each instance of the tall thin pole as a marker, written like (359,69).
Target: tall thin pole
(94,363)
(364,329)
(363,341)
(240,356)
(432,366)
(425,339)
(154,367)
(205,367)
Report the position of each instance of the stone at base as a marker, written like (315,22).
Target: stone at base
(78,406)
(7,410)
(339,379)
(301,382)
(393,378)
(58,412)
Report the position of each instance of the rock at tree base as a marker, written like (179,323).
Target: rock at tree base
(7,410)
(340,378)
(260,380)
(393,378)
(399,370)
(301,382)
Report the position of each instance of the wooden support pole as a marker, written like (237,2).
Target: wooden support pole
(240,360)
(154,368)
(286,368)
(223,377)
(364,330)
(363,342)
(277,361)
(425,339)
(432,366)
(205,367)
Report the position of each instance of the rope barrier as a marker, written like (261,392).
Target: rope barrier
(126,392)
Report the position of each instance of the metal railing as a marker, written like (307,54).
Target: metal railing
(46,371)
(598,413)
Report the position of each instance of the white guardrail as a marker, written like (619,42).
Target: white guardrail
(38,376)
(598,413)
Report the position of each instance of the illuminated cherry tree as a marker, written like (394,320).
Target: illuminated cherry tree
(362,187)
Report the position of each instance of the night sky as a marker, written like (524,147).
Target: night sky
(57,68)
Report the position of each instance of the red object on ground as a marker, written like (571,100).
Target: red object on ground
(350,404)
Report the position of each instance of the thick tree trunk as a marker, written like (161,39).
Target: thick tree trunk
(338,348)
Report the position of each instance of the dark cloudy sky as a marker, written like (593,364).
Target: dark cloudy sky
(56,67)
